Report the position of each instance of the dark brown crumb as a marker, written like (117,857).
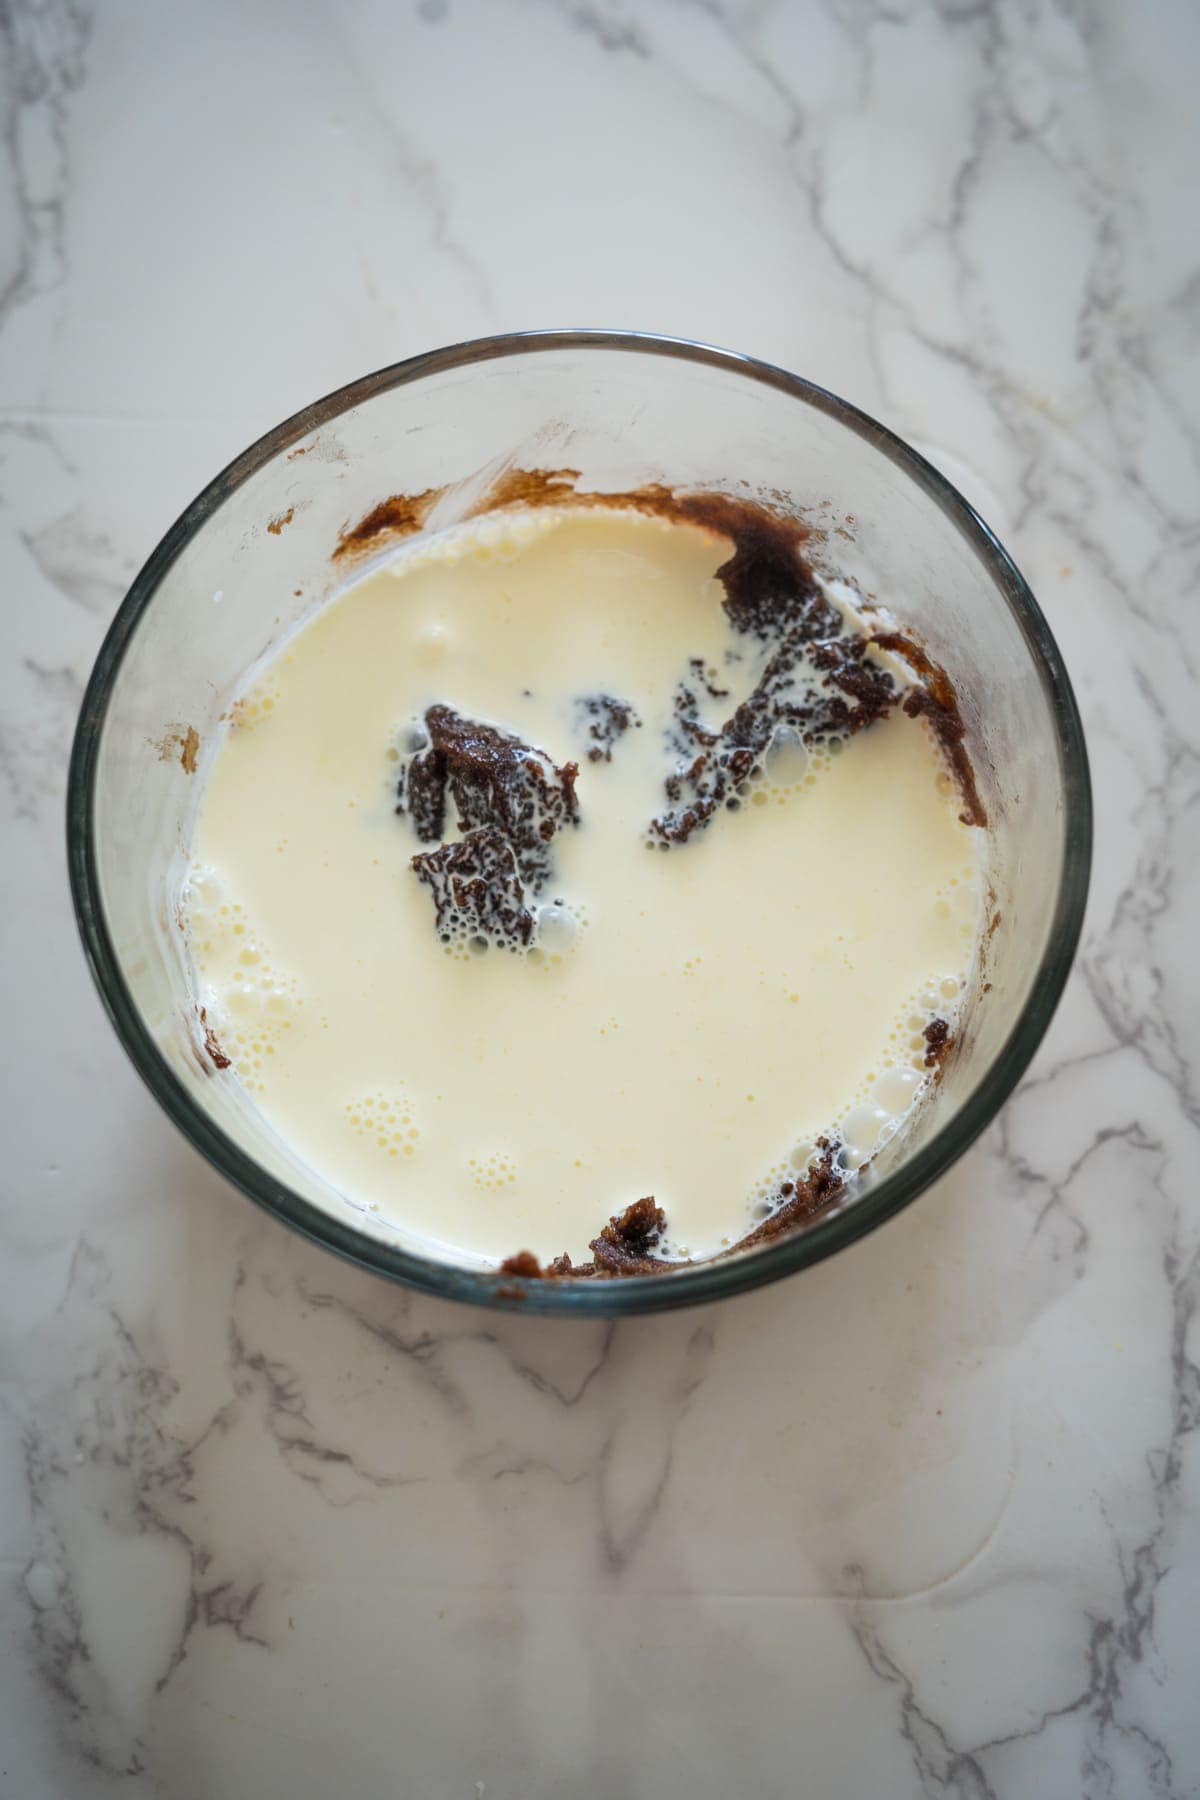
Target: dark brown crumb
(622,1248)
(811,1194)
(606,719)
(523,1263)
(212,1043)
(938,1043)
(625,1244)
(562,1265)
(275,526)
(497,782)
(477,889)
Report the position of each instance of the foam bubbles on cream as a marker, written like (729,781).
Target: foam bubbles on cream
(492,1171)
(250,1002)
(387,1119)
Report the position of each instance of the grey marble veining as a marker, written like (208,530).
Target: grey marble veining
(925,1520)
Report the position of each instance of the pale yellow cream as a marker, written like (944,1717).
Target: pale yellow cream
(688,1022)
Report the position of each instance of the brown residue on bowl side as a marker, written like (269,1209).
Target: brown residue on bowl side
(936,701)
(180,743)
(530,487)
(212,1043)
(750,524)
(401,515)
(276,525)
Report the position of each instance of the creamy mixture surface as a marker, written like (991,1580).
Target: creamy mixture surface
(686,991)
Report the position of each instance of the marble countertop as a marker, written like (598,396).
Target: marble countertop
(923,1520)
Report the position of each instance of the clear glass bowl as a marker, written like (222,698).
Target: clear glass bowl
(253,554)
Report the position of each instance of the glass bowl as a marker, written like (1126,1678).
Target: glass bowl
(254,553)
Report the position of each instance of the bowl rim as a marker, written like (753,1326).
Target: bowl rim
(621,1295)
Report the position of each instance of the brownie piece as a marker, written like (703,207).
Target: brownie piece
(477,889)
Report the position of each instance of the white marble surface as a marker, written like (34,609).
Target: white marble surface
(925,1520)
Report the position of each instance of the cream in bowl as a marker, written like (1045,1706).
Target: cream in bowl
(584,854)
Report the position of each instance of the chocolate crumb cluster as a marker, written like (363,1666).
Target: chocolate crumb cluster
(605,719)
(626,1245)
(805,1198)
(714,766)
(938,1043)
(510,799)
(819,681)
